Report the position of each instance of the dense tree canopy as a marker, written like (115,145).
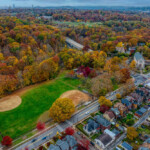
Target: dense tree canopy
(62,109)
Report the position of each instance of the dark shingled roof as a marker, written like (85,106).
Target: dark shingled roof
(105,139)
(101,120)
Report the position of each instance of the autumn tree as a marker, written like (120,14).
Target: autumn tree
(83,144)
(62,109)
(40,125)
(133,65)
(103,101)
(118,96)
(104,108)
(69,131)
(6,141)
(125,75)
(131,133)
(101,85)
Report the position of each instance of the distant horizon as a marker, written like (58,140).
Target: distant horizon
(72,3)
(55,6)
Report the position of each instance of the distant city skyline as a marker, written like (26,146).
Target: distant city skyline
(43,3)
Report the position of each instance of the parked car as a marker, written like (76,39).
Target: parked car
(92,143)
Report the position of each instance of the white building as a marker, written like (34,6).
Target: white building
(111,134)
(139,59)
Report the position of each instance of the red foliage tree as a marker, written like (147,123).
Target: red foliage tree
(40,126)
(80,147)
(104,108)
(84,144)
(85,70)
(69,131)
(6,141)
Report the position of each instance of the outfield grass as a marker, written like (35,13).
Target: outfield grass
(34,102)
(89,24)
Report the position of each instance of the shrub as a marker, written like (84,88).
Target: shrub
(130,122)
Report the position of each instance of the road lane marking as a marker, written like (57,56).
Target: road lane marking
(88,110)
(38,140)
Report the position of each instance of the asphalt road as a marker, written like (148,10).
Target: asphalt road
(33,143)
(59,128)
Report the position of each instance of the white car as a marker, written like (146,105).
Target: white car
(87,113)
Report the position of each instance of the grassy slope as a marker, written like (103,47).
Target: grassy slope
(36,101)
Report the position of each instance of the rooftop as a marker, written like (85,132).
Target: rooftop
(101,120)
(138,56)
(105,139)
(127,146)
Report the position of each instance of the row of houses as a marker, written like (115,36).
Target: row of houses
(100,123)
(133,101)
(67,143)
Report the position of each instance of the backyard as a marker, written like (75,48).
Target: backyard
(34,102)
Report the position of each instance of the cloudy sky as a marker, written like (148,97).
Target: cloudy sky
(75,2)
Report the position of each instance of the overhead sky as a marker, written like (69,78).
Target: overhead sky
(75,2)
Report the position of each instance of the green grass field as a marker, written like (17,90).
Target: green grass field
(34,102)
(89,24)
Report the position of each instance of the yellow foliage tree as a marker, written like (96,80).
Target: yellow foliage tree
(1,57)
(118,96)
(133,64)
(120,44)
(131,133)
(62,109)
(104,101)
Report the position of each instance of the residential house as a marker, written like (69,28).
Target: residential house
(140,112)
(71,142)
(53,147)
(115,111)
(145,145)
(132,50)
(109,115)
(116,132)
(127,103)
(103,140)
(122,108)
(126,146)
(143,92)
(104,123)
(62,144)
(139,59)
(91,126)
(120,49)
(133,101)
(110,133)
(137,98)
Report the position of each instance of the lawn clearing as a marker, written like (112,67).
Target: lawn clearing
(35,102)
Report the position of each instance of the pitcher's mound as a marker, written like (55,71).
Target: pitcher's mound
(77,96)
(9,103)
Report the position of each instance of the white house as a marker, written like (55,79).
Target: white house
(110,133)
(139,59)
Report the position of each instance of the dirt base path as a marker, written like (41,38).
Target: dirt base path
(76,96)
(9,103)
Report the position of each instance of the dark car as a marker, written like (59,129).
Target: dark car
(33,140)
(92,143)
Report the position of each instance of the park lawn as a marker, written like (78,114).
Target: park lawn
(34,102)
(89,24)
